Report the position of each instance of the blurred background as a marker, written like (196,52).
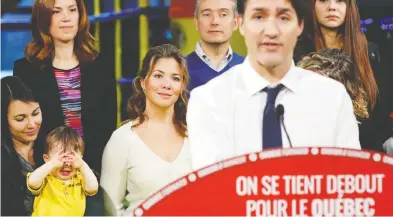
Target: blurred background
(127,28)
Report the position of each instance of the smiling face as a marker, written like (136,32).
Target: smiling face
(164,83)
(270,29)
(330,13)
(64,21)
(216,20)
(24,119)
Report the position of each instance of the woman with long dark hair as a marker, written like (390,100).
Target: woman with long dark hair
(151,149)
(20,124)
(336,24)
(68,78)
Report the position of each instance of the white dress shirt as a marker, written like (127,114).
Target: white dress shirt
(132,172)
(224,62)
(224,116)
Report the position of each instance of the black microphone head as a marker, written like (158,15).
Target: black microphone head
(279,111)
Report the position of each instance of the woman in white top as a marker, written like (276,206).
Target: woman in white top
(151,150)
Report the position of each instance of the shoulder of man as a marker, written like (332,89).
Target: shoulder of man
(238,56)
(319,83)
(218,88)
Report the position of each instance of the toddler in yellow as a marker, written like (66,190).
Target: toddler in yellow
(63,182)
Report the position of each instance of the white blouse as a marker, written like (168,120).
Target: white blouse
(131,171)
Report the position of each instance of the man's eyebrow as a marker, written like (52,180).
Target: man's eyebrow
(279,10)
(284,10)
(260,9)
(206,10)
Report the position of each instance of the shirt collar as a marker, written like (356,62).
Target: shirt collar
(201,53)
(255,83)
(292,79)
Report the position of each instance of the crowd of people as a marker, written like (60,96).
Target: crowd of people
(62,153)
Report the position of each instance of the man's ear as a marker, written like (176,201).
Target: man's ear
(240,24)
(236,23)
(196,23)
(301,28)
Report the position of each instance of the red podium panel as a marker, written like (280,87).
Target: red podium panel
(282,182)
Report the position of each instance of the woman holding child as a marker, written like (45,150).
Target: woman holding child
(57,188)
(151,150)
(62,68)
(21,122)
(69,80)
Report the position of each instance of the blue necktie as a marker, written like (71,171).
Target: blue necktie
(271,135)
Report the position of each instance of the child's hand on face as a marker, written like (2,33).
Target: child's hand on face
(58,159)
(67,159)
(76,160)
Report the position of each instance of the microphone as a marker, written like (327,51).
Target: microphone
(280,117)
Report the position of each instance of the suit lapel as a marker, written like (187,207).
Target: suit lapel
(50,93)
(84,90)
(89,88)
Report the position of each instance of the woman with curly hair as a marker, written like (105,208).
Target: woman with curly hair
(151,149)
(333,63)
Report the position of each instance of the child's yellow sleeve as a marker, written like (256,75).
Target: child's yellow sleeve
(83,186)
(35,192)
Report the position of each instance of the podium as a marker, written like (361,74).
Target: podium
(282,182)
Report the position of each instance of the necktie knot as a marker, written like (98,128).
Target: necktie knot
(272,93)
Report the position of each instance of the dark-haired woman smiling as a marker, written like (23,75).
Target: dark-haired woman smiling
(20,124)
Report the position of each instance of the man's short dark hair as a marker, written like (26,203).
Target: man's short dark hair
(301,8)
